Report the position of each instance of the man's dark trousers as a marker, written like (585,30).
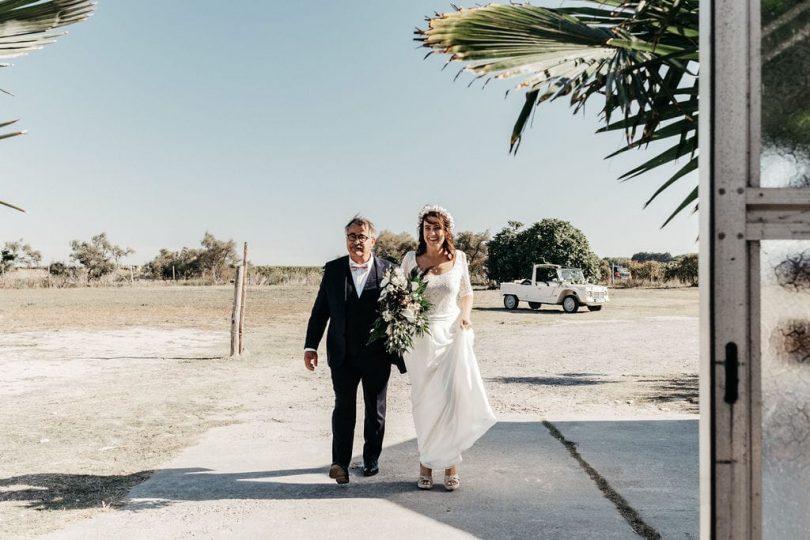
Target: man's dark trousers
(345,380)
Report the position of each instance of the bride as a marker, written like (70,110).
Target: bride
(450,407)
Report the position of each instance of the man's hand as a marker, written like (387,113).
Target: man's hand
(310,360)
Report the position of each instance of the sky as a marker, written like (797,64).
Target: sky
(273,123)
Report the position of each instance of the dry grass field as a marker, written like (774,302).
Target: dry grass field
(102,385)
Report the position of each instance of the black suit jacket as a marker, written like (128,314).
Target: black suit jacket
(330,306)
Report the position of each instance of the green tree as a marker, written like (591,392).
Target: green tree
(99,256)
(514,250)
(217,255)
(27,25)
(182,264)
(214,257)
(392,246)
(475,245)
(503,263)
(18,253)
(648,271)
(684,269)
(644,256)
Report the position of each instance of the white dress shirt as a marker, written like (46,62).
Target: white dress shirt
(360,275)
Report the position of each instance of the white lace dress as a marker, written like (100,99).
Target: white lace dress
(450,406)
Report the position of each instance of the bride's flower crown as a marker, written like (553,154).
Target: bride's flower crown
(434,208)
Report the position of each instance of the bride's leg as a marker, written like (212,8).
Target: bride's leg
(425,478)
(451,480)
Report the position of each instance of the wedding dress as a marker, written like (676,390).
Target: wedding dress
(450,407)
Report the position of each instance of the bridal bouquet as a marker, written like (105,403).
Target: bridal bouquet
(403,310)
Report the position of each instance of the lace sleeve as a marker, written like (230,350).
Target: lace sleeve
(466,286)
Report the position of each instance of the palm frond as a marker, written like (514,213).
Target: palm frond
(28,25)
(9,205)
(635,54)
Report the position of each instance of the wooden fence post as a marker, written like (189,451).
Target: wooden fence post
(242,303)
(237,312)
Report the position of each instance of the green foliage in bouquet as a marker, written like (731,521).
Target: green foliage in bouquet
(403,311)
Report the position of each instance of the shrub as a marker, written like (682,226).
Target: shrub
(99,256)
(684,269)
(513,250)
(647,272)
(215,257)
(285,275)
(392,246)
(644,256)
(16,254)
(476,246)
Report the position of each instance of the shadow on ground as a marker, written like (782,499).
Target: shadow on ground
(564,379)
(521,311)
(679,388)
(518,481)
(56,491)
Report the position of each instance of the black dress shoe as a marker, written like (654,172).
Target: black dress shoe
(371,468)
(339,473)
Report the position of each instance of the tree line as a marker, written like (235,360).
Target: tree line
(506,256)
(510,254)
(100,257)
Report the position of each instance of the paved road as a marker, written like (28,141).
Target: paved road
(265,478)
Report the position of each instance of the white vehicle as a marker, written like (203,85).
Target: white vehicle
(552,284)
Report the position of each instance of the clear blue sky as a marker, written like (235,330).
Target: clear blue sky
(275,122)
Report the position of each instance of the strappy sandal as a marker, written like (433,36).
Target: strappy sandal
(451,482)
(425,480)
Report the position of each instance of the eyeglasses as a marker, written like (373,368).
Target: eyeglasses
(358,237)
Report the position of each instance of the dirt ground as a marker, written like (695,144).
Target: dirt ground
(101,386)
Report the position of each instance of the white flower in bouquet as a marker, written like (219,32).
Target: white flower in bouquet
(409,314)
(403,311)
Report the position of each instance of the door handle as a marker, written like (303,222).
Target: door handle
(732,374)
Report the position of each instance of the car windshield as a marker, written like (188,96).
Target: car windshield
(572,275)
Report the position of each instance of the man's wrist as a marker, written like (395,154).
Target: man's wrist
(307,349)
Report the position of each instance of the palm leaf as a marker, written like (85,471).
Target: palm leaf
(11,206)
(692,197)
(636,54)
(692,165)
(28,25)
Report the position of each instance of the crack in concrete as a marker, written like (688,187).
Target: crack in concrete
(627,512)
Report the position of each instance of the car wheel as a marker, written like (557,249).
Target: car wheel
(535,305)
(594,308)
(570,304)
(510,301)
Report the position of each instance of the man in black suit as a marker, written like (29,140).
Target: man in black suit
(347,299)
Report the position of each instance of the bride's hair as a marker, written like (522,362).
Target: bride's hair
(449,245)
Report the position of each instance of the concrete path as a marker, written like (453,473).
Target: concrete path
(266,478)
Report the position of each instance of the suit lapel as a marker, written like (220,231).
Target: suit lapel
(373,281)
(378,272)
(348,281)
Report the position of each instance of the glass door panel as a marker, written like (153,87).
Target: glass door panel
(785,376)
(785,157)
